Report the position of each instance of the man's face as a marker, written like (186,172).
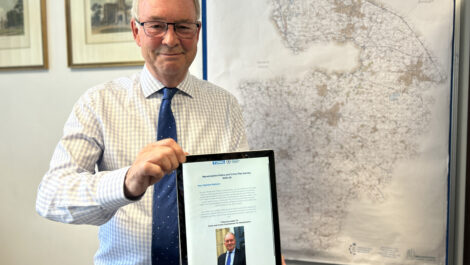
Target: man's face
(230,242)
(168,57)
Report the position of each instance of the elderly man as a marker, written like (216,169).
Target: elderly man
(233,256)
(114,165)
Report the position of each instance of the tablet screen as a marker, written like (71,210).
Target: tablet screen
(228,209)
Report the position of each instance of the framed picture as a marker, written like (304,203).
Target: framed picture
(23,37)
(99,34)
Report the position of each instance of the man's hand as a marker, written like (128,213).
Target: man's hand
(152,163)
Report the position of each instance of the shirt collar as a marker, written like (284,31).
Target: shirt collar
(150,84)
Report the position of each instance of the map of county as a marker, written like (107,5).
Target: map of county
(361,144)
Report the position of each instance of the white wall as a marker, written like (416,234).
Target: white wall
(33,108)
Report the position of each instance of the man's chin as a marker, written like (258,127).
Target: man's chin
(172,70)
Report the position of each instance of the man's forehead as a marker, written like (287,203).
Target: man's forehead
(177,10)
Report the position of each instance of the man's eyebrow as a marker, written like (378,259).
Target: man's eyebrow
(155,18)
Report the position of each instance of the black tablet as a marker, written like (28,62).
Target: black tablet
(228,209)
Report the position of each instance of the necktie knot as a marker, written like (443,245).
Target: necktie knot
(168,92)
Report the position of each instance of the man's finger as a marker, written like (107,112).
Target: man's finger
(180,154)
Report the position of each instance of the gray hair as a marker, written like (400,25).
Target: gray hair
(135,9)
(229,233)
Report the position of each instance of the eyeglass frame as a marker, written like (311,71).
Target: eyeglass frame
(197,23)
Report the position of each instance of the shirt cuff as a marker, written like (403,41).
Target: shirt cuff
(111,189)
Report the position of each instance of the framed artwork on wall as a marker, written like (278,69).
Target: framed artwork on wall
(99,34)
(23,36)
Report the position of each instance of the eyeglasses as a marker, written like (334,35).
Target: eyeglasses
(184,30)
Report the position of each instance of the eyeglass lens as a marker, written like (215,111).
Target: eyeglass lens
(158,28)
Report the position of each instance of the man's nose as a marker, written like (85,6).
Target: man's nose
(170,38)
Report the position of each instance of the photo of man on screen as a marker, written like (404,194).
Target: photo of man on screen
(233,256)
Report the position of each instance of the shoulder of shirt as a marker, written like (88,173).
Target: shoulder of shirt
(120,83)
(116,86)
(205,88)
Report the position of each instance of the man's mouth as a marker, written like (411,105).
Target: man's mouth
(170,53)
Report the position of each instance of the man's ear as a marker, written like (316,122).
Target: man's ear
(198,31)
(135,31)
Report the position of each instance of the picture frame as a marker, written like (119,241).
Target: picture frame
(23,35)
(99,34)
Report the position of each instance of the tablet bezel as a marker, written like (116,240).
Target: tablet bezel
(228,156)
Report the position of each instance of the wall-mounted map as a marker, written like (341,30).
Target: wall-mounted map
(354,97)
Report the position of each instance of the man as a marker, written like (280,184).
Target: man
(114,128)
(233,256)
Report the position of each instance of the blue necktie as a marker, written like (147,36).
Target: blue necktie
(228,259)
(165,244)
